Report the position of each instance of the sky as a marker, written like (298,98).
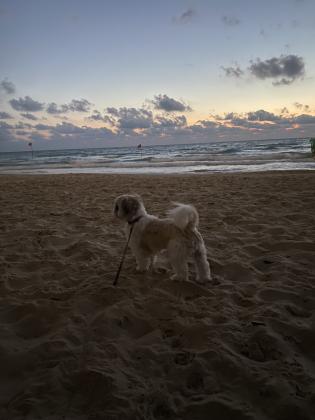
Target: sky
(101,73)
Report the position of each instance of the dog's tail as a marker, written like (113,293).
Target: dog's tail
(184,216)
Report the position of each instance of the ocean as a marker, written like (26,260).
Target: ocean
(246,156)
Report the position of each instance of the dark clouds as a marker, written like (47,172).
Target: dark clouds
(29,116)
(137,123)
(79,105)
(284,69)
(22,125)
(230,20)
(164,122)
(268,122)
(304,119)
(185,17)
(134,125)
(159,120)
(65,135)
(43,127)
(76,105)
(4,116)
(130,118)
(167,104)
(96,116)
(26,104)
(262,115)
(231,71)
(301,107)
(7,86)
(68,128)
(6,135)
(53,108)
(142,121)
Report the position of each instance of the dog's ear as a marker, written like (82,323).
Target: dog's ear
(130,206)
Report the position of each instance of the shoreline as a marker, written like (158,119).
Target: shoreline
(172,174)
(227,157)
(185,171)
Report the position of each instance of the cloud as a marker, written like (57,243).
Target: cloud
(159,124)
(284,69)
(167,104)
(235,71)
(185,17)
(230,20)
(26,104)
(22,125)
(304,119)
(113,111)
(260,120)
(67,128)
(5,125)
(79,105)
(52,108)
(262,115)
(267,124)
(164,122)
(7,86)
(4,116)
(65,135)
(96,116)
(6,135)
(29,116)
(301,106)
(132,118)
(43,127)
(76,105)
(142,122)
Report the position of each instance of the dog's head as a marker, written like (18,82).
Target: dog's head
(128,207)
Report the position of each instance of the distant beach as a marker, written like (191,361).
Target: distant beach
(247,156)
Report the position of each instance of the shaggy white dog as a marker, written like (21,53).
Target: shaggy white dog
(177,234)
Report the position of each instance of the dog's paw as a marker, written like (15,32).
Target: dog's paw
(214,281)
(205,280)
(179,278)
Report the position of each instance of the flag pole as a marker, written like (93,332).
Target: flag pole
(140,147)
(31,146)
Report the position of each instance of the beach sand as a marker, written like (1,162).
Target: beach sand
(75,347)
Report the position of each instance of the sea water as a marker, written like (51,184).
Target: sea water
(246,156)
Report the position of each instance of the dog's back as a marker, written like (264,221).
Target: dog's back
(157,233)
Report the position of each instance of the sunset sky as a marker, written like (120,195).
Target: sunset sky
(95,73)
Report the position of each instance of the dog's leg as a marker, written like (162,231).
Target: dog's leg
(201,262)
(143,261)
(153,263)
(153,259)
(178,259)
(181,271)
